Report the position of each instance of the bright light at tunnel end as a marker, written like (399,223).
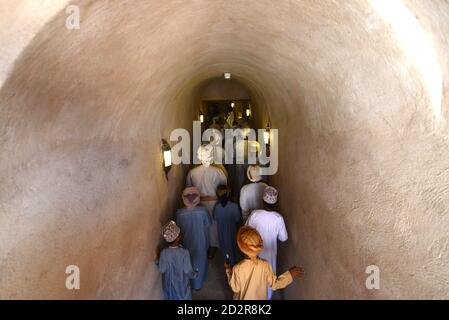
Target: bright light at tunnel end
(249,147)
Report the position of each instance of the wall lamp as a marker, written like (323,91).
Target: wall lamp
(248,112)
(202,118)
(266,134)
(166,154)
(227,75)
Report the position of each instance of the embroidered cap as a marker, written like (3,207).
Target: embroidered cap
(270,195)
(171,231)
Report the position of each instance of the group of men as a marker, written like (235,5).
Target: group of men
(209,221)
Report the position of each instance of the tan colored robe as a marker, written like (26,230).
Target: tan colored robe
(251,278)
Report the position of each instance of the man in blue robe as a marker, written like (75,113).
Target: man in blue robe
(195,221)
(174,264)
(228,217)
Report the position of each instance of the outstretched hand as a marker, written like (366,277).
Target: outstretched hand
(297,272)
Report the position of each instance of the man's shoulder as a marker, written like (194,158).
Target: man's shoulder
(196,168)
(270,213)
(181,211)
(165,252)
(264,214)
(217,170)
(199,211)
(241,264)
(175,251)
(254,185)
(261,263)
(257,212)
(277,215)
(183,251)
(232,204)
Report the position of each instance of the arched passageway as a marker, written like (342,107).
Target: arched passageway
(358,90)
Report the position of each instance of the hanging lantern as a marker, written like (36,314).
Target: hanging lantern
(266,134)
(166,155)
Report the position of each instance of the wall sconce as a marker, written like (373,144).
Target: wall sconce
(266,134)
(248,112)
(166,153)
(227,75)
(232,104)
(202,118)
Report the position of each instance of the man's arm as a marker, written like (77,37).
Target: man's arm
(232,278)
(282,235)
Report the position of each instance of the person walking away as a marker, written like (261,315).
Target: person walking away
(240,160)
(251,195)
(216,141)
(174,264)
(270,224)
(251,277)
(228,217)
(207,178)
(194,222)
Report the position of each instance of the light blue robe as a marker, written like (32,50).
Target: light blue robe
(227,218)
(195,234)
(174,264)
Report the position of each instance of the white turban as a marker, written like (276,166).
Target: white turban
(253,173)
(206,154)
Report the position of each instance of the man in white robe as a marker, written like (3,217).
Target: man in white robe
(251,195)
(207,178)
(270,224)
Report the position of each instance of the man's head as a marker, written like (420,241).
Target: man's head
(171,233)
(270,198)
(249,241)
(206,154)
(253,173)
(191,197)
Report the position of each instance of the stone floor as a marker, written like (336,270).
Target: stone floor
(215,287)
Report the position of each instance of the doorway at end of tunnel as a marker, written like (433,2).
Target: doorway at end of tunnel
(232,112)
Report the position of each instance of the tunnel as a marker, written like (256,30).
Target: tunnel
(357,89)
